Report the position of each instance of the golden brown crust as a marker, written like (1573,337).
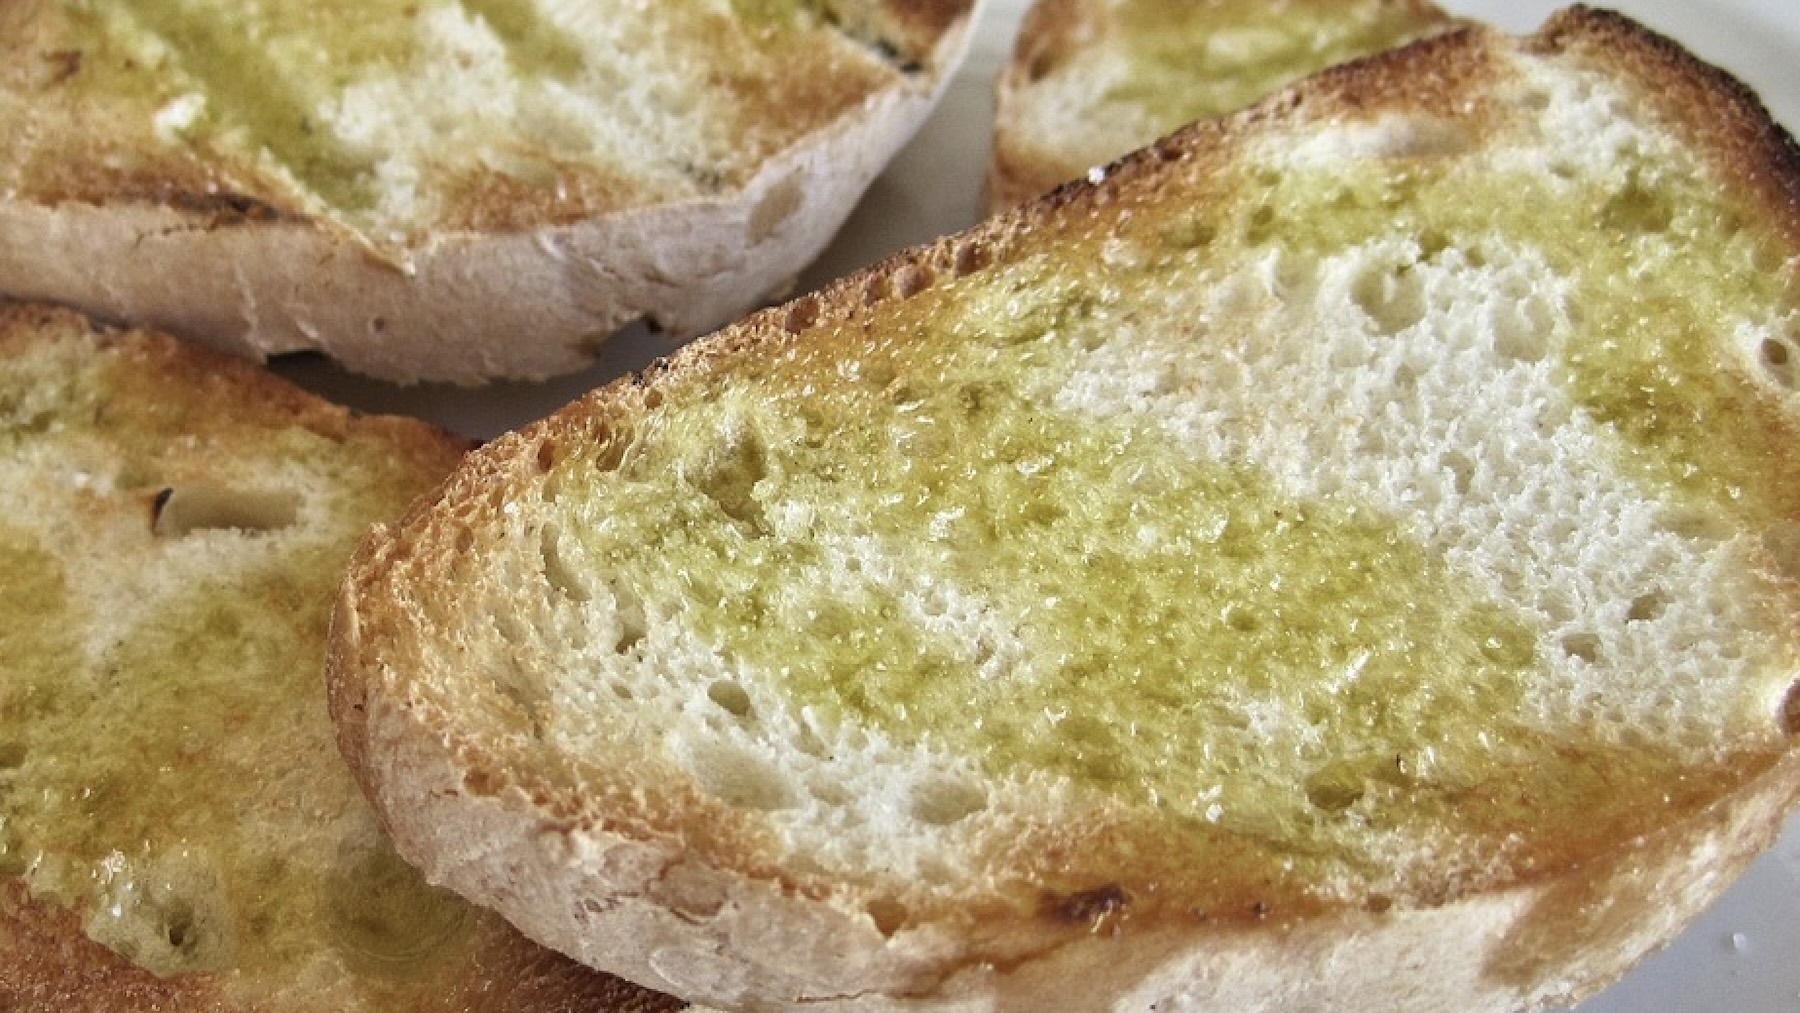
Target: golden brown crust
(1050,32)
(1722,116)
(1026,162)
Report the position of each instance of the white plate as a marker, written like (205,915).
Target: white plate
(1743,956)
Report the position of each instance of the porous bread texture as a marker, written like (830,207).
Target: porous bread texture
(594,736)
(173,522)
(1091,80)
(493,199)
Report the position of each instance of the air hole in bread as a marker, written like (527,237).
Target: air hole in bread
(1778,361)
(166,917)
(609,451)
(912,279)
(876,289)
(1393,300)
(183,510)
(1637,209)
(562,576)
(889,915)
(1522,330)
(1335,787)
(1260,226)
(1188,231)
(739,777)
(1646,607)
(179,929)
(1585,646)
(1790,710)
(943,801)
(802,314)
(970,257)
(1296,278)
(730,697)
(1240,618)
(628,611)
(1462,472)
(729,476)
(830,792)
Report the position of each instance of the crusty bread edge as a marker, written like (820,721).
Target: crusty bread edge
(601,897)
(467,308)
(1021,166)
(1019,169)
(1554,936)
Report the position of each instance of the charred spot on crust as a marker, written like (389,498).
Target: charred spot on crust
(1089,907)
(64,64)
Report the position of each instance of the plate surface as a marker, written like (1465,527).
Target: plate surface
(1743,956)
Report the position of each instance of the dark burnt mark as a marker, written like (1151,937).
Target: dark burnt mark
(891,55)
(64,64)
(157,503)
(225,208)
(1091,907)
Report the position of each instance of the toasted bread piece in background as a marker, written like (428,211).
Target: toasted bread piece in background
(1345,558)
(445,190)
(1091,80)
(177,830)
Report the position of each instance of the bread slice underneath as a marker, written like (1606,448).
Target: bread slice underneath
(176,829)
(1090,80)
(1344,559)
(445,190)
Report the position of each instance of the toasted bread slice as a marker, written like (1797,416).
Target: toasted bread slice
(1345,559)
(445,190)
(1090,80)
(176,829)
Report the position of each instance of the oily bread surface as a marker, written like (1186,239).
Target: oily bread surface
(1090,80)
(98,423)
(654,864)
(471,217)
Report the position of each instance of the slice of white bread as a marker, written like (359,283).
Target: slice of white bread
(1090,80)
(445,190)
(177,831)
(1345,559)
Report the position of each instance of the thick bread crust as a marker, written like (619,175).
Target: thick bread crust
(203,254)
(48,960)
(1031,156)
(621,863)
